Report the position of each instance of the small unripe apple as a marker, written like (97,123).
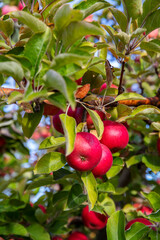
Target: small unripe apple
(77,236)
(105,162)
(86,153)
(57,238)
(89,119)
(115,136)
(141,220)
(158,145)
(93,220)
(7,8)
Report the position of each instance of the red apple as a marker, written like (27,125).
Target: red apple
(105,162)
(158,145)
(86,153)
(7,8)
(2,142)
(77,114)
(153,34)
(141,220)
(21,5)
(115,136)
(89,119)
(77,236)
(42,208)
(79,81)
(104,85)
(93,220)
(143,209)
(57,238)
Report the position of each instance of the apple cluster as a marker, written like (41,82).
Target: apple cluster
(90,154)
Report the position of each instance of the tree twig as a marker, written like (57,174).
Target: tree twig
(121,79)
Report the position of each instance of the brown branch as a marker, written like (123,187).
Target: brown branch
(50,109)
(121,79)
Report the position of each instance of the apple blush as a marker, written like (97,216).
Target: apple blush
(105,162)
(93,220)
(115,136)
(77,236)
(87,152)
(141,220)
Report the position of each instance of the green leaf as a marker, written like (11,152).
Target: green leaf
(115,226)
(65,15)
(52,142)
(67,58)
(76,196)
(134,160)
(99,126)
(34,95)
(30,121)
(53,80)
(153,21)
(28,19)
(120,18)
(132,8)
(58,100)
(92,6)
(137,32)
(150,46)
(12,69)
(91,187)
(123,110)
(50,162)
(14,96)
(136,231)
(154,216)
(113,171)
(41,182)
(127,96)
(151,162)
(149,6)
(107,203)
(7,26)
(124,37)
(77,30)
(36,47)
(106,187)
(156,125)
(154,235)
(69,128)
(13,228)
(153,198)
(37,232)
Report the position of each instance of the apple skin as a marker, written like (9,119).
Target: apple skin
(77,114)
(93,220)
(86,153)
(115,136)
(104,85)
(77,236)
(57,238)
(153,34)
(2,142)
(141,220)
(158,146)
(105,162)
(143,209)
(89,119)
(42,208)
(7,8)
